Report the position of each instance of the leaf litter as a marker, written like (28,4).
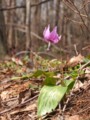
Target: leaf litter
(20,87)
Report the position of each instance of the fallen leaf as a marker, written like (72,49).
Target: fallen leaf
(17,61)
(75,60)
(26,109)
(75,117)
(3,118)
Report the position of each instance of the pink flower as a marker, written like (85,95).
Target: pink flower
(52,37)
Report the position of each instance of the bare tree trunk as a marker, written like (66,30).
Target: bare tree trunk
(11,39)
(57,12)
(35,24)
(28,23)
(3,41)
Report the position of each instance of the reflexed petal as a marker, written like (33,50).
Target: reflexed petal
(46,33)
(60,37)
(54,37)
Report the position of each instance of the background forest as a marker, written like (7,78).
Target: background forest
(22,23)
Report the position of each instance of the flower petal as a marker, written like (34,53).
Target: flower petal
(60,37)
(54,37)
(46,33)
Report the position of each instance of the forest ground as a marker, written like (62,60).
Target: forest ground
(18,93)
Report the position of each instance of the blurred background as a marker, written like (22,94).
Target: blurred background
(22,23)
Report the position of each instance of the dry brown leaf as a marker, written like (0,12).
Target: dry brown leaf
(75,60)
(17,61)
(26,109)
(24,95)
(75,117)
(4,95)
(87,70)
(3,118)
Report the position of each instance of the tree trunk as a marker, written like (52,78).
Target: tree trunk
(3,41)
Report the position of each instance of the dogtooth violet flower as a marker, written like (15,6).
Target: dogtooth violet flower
(51,37)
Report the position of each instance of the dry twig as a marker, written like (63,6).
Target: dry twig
(19,105)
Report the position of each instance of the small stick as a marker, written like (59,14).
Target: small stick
(75,49)
(19,105)
(66,104)
(83,66)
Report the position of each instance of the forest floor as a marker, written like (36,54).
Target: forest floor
(19,93)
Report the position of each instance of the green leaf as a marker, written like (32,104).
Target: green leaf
(86,59)
(50,81)
(69,84)
(38,73)
(49,74)
(49,98)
